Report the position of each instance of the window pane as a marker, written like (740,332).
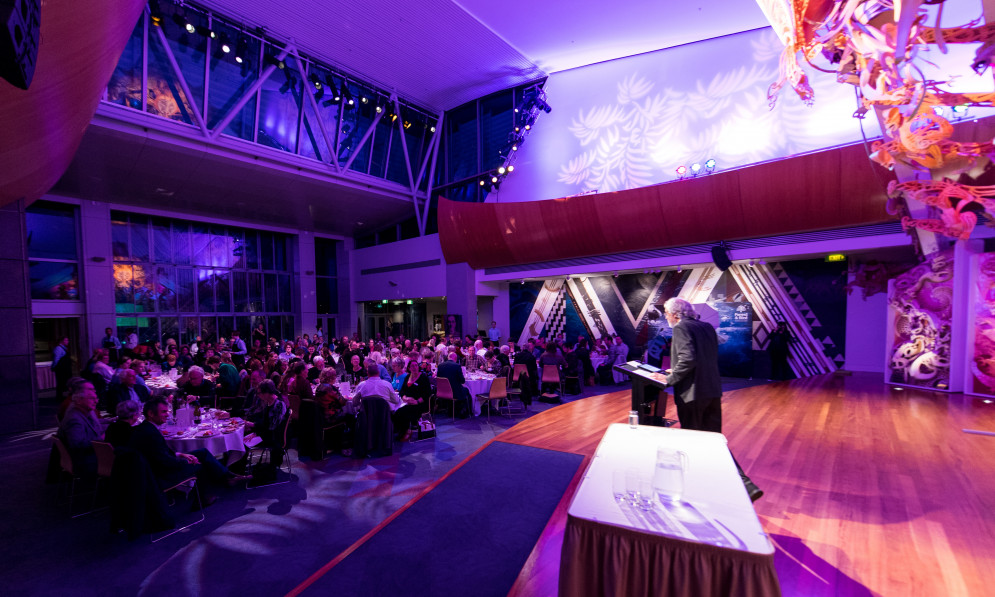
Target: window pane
(205,290)
(184,290)
(462,145)
(280,253)
(181,243)
(222,290)
(272,303)
(51,231)
(496,120)
(124,293)
(201,238)
(189,49)
(288,327)
(381,139)
(119,239)
(165,280)
(360,121)
(239,287)
(325,256)
(266,250)
(238,247)
(243,324)
(139,238)
(209,329)
(169,328)
(161,246)
(273,328)
(286,299)
(220,247)
(229,82)
(189,328)
(327,295)
(148,329)
(166,97)
(142,282)
(125,86)
(225,327)
(54,281)
(251,250)
(280,108)
(255,292)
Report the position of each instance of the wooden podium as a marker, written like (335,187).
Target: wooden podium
(645,376)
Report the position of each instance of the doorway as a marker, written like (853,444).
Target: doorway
(48,332)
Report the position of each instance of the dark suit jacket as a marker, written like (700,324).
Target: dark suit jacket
(166,466)
(452,371)
(119,393)
(694,358)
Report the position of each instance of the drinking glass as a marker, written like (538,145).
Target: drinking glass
(645,499)
(668,476)
(632,485)
(618,486)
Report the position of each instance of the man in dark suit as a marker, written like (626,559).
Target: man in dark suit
(127,388)
(169,466)
(694,375)
(452,371)
(526,357)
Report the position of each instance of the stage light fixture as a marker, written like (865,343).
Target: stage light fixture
(482,183)
(431,129)
(379,109)
(155,11)
(680,268)
(494,179)
(710,164)
(241,49)
(225,45)
(695,168)
(517,129)
(206,32)
(681,171)
(502,170)
(511,168)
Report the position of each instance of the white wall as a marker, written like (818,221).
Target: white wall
(415,283)
(866,332)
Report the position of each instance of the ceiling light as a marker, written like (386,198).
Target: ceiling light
(682,170)
(695,167)
(225,46)
(511,168)
(528,127)
(710,164)
(155,11)
(379,109)
(502,170)
(482,183)
(241,49)
(206,32)
(431,129)
(494,179)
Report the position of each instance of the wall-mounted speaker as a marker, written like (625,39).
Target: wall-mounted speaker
(19,35)
(720,255)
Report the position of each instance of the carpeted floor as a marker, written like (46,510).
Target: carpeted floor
(470,535)
(254,542)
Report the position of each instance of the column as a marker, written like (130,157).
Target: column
(308,312)
(18,396)
(461,296)
(97,275)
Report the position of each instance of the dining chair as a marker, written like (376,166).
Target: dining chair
(497,392)
(516,374)
(443,392)
(267,450)
(551,375)
(66,464)
(185,487)
(105,465)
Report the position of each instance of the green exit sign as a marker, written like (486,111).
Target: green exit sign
(835,257)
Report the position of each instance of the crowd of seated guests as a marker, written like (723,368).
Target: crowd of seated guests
(270,377)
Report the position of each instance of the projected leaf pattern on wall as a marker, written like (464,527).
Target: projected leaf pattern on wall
(657,123)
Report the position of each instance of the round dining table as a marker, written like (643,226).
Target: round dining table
(213,436)
(477,383)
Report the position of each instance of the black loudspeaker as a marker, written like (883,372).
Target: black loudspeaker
(720,255)
(21,20)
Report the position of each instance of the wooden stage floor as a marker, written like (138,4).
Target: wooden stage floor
(868,490)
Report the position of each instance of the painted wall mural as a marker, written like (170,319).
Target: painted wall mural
(743,304)
(983,361)
(629,123)
(921,305)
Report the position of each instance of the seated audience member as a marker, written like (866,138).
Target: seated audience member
(201,390)
(491,363)
(228,378)
(185,360)
(80,427)
(127,388)
(524,357)
(254,379)
(398,373)
(374,385)
(266,418)
(299,385)
(73,386)
(103,368)
(552,357)
(502,355)
(118,433)
(331,402)
(452,371)
(377,358)
(355,371)
(315,371)
(171,362)
(169,466)
(416,392)
(288,352)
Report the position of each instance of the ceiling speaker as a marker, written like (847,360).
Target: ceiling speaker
(19,33)
(720,255)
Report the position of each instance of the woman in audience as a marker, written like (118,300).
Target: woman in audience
(355,371)
(228,378)
(397,378)
(332,403)
(415,392)
(299,385)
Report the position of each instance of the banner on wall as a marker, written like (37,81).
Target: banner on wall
(983,359)
(735,331)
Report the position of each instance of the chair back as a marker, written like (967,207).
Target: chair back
(499,388)
(286,425)
(550,374)
(65,460)
(443,389)
(294,401)
(520,368)
(374,427)
(105,458)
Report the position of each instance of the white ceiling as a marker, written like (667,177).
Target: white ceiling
(443,53)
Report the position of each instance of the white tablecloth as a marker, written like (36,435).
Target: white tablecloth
(715,514)
(216,444)
(480,385)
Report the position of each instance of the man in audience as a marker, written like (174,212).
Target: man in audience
(80,427)
(171,467)
(452,371)
(238,350)
(202,389)
(376,386)
(494,333)
(315,371)
(526,357)
(126,389)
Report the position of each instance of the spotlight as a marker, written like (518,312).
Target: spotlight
(482,183)
(206,32)
(431,129)
(528,127)
(274,61)
(346,95)
(225,45)
(502,170)
(241,49)
(494,179)
(959,110)
(681,171)
(379,109)
(155,11)
(180,18)
(680,268)
(407,124)
(511,168)
(523,280)
(517,129)
(710,164)
(695,167)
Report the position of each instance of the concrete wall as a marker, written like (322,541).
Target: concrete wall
(866,331)
(18,395)
(420,280)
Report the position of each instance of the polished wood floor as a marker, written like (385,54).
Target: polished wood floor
(869,490)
